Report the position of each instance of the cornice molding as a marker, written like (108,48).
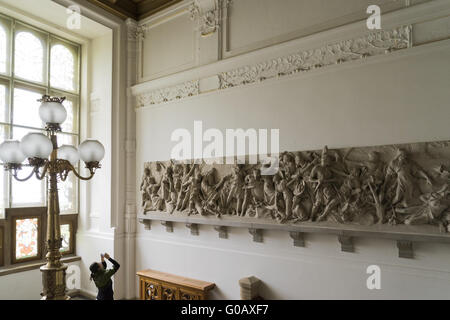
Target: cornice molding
(376,43)
(279,60)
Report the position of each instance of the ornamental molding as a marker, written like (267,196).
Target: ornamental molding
(373,44)
(376,43)
(132,29)
(183,90)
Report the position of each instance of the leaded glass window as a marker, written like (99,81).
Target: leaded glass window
(62,69)
(43,64)
(26,231)
(65,235)
(3,49)
(29,57)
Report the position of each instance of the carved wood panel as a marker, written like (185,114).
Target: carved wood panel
(170,292)
(151,290)
(157,289)
(190,295)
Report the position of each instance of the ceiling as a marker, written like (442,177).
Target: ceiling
(136,9)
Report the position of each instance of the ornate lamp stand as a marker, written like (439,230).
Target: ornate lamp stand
(55,164)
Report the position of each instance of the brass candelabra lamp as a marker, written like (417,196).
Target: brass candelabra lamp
(55,164)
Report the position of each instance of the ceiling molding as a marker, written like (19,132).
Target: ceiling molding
(135,9)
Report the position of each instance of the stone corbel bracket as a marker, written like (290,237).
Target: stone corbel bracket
(298,237)
(223,231)
(257,234)
(405,249)
(402,238)
(346,243)
(193,227)
(168,225)
(147,223)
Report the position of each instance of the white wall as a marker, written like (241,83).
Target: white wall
(98,126)
(25,285)
(399,99)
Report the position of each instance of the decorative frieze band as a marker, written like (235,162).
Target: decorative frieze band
(184,90)
(376,43)
(373,44)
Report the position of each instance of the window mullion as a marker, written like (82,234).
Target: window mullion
(26,84)
(11,102)
(48,93)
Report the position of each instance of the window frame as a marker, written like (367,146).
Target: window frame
(9,245)
(42,36)
(12,27)
(9,41)
(26,213)
(2,245)
(72,221)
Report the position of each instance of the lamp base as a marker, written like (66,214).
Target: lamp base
(54,282)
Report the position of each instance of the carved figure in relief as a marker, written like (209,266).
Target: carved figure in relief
(168,193)
(146,180)
(350,196)
(372,180)
(157,202)
(300,194)
(403,173)
(269,191)
(195,193)
(302,166)
(249,180)
(236,188)
(255,185)
(211,192)
(287,165)
(325,191)
(435,209)
(375,187)
(182,199)
(283,198)
(443,172)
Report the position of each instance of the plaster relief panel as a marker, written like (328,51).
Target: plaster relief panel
(253,24)
(167,46)
(390,189)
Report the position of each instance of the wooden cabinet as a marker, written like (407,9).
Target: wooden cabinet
(156,285)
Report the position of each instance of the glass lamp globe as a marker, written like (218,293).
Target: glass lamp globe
(52,112)
(69,153)
(36,145)
(91,151)
(10,152)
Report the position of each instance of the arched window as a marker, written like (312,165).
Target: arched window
(29,57)
(62,68)
(3,49)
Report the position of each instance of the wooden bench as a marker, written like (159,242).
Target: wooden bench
(157,285)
